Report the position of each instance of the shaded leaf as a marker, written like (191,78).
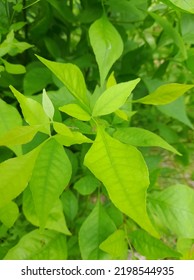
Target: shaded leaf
(93,232)
(150,247)
(176,110)
(87,185)
(39,245)
(141,137)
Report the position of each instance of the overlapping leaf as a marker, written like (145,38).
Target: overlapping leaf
(15,174)
(174,208)
(113,98)
(95,229)
(71,76)
(32,111)
(39,245)
(50,176)
(141,137)
(124,173)
(56,220)
(151,247)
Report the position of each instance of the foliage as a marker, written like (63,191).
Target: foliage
(80,178)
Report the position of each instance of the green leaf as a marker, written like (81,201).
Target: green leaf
(93,232)
(51,174)
(107,45)
(186,248)
(9,214)
(71,76)
(177,110)
(14,68)
(67,137)
(15,174)
(165,94)
(32,111)
(32,83)
(116,245)
(19,135)
(173,34)
(187,6)
(141,137)
(70,204)
(113,98)
(9,119)
(56,220)
(74,110)
(47,105)
(39,245)
(150,247)
(174,208)
(87,185)
(123,171)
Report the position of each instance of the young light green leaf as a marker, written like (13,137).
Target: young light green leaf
(19,135)
(165,94)
(74,110)
(175,201)
(67,137)
(32,111)
(123,171)
(150,247)
(93,232)
(15,174)
(113,98)
(9,214)
(71,76)
(141,137)
(10,118)
(14,68)
(116,245)
(56,220)
(47,105)
(107,45)
(39,245)
(51,174)
(87,185)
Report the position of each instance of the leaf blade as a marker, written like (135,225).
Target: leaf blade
(117,161)
(113,98)
(107,45)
